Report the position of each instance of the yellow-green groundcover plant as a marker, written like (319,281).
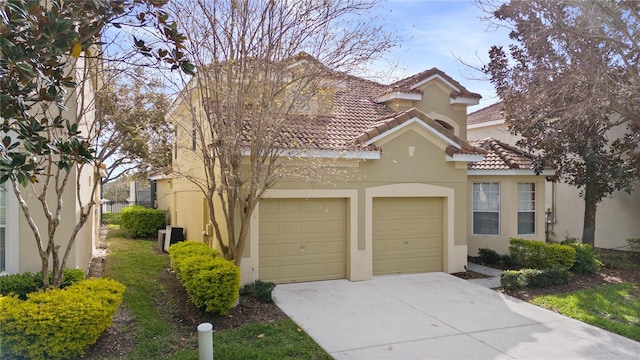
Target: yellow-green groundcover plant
(58,323)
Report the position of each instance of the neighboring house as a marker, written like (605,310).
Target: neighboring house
(18,249)
(413,200)
(616,218)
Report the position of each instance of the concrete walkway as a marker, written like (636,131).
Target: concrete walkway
(439,316)
(492,282)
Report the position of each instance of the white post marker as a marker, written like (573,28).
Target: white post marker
(205,341)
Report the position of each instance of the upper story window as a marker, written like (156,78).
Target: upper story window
(486,208)
(526,208)
(447,126)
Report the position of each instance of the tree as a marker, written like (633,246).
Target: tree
(131,133)
(569,85)
(44,82)
(263,67)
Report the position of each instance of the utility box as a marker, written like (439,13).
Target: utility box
(173,235)
(162,234)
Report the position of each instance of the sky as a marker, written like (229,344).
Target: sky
(439,34)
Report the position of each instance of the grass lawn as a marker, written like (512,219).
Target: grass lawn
(612,307)
(135,264)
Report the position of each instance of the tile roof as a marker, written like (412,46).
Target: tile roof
(406,84)
(501,156)
(354,111)
(490,113)
(357,117)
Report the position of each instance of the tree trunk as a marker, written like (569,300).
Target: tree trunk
(590,207)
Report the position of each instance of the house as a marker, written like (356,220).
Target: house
(18,249)
(616,217)
(418,196)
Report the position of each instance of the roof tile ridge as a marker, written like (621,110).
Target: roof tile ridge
(503,153)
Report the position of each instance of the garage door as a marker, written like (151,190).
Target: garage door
(407,235)
(302,239)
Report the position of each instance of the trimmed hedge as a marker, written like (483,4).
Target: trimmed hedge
(540,255)
(142,222)
(58,323)
(586,262)
(25,283)
(212,282)
(515,279)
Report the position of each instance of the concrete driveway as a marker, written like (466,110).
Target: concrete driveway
(439,316)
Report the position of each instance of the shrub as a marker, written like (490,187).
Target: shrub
(514,279)
(190,248)
(212,282)
(539,255)
(634,246)
(58,323)
(586,262)
(489,257)
(260,290)
(184,250)
(25,283)
(142,222)
(508,262)
(215,289)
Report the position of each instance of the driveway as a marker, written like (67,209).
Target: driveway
(439,316)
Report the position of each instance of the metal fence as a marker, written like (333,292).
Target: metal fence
(117,206)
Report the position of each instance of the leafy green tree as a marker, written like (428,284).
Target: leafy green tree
(48,68)
(569,83)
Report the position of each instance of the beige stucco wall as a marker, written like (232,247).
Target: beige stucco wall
(496,131)
(508,213)
(617,217)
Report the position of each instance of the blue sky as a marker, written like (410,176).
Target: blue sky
(435,33)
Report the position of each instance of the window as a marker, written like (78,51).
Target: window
(526,208)
(3,223)
(486,208)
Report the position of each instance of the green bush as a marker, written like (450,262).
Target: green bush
(25,283)
(586,262)
(212,282)
(540,255)
(142,222)
(190,248)
(184,250)
(58,323)
(489,257)
(260,290)
(514,279)
(508,261)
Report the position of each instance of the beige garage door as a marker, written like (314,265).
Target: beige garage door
(407,235)
(302,239)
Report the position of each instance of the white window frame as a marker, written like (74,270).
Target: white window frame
(476,208)
(527,204)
